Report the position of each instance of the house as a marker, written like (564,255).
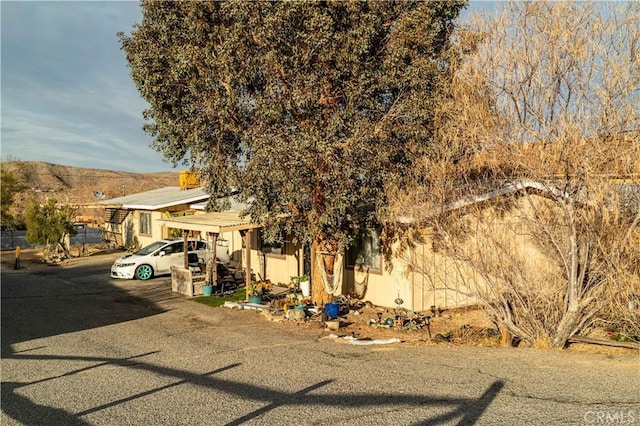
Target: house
(425,276)
(135,220)
(420,278)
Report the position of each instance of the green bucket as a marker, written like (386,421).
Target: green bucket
(255,299)
(207,290)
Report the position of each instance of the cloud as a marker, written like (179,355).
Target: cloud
(67,97)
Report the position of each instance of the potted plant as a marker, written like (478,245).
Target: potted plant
(304,284)
(258,289)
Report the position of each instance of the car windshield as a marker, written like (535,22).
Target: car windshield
(151,248)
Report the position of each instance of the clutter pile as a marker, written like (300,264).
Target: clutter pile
(361,323)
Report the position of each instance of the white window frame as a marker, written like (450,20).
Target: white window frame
(144,223)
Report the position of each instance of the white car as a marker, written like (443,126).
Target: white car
(157,259)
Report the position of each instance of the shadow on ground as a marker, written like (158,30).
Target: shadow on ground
(52,300)
(48,302)
(463,410)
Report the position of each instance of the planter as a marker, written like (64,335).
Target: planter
(255,299)
(207,290)
(305,288)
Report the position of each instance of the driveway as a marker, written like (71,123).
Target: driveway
(79,348)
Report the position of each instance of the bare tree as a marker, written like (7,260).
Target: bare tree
(545,111)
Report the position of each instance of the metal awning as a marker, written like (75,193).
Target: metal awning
(213,222)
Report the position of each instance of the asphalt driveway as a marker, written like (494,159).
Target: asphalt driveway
(79,348)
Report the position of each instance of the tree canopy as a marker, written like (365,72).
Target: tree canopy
(9,187)
(48,224)
(308,109)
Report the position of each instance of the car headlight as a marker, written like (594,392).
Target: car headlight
(124,265)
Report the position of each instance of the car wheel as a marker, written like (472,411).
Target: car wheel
(144,272)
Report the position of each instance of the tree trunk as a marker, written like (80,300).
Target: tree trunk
(318,294)
(573,314)
(506,338)
(567,327)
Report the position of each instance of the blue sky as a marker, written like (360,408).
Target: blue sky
(67,97)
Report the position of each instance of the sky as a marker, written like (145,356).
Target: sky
(66,94)
(67,97)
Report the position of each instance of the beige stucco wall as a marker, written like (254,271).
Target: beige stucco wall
(277,269)
(131,228)
(382,287)
(442,281)
(425,277)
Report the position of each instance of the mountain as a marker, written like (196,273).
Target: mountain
(79,186)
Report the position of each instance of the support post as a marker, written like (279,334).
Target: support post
(185,249)
(17,264)
(212,265)
(246,236)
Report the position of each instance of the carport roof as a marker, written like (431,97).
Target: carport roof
(214,222)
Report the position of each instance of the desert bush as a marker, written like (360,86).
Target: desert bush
(539,143)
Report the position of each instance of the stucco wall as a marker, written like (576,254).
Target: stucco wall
(426,276)
(384,287)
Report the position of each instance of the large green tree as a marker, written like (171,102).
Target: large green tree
(309,109)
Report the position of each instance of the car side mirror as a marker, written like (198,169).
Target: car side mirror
(162,253)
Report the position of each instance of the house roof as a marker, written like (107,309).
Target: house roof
(157,199)
(215,222)
(630,193)
(235,205)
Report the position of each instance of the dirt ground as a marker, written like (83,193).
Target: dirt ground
(363,321)
(367,322)
(455,327)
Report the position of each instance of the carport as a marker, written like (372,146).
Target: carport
(212,224)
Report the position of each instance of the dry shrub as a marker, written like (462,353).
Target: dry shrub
(545,108)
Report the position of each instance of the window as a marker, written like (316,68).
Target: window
(174,248)
(114,217)
(365,251)
(276,248)
(145,223)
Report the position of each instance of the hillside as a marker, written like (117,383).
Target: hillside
(76,185)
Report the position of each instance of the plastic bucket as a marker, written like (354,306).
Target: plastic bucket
(207,290)
(305,288)
(332,310)
(255,299)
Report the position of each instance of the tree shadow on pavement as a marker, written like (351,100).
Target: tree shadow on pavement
(467,410)
(53,300)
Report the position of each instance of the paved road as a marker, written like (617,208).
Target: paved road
(81,349)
